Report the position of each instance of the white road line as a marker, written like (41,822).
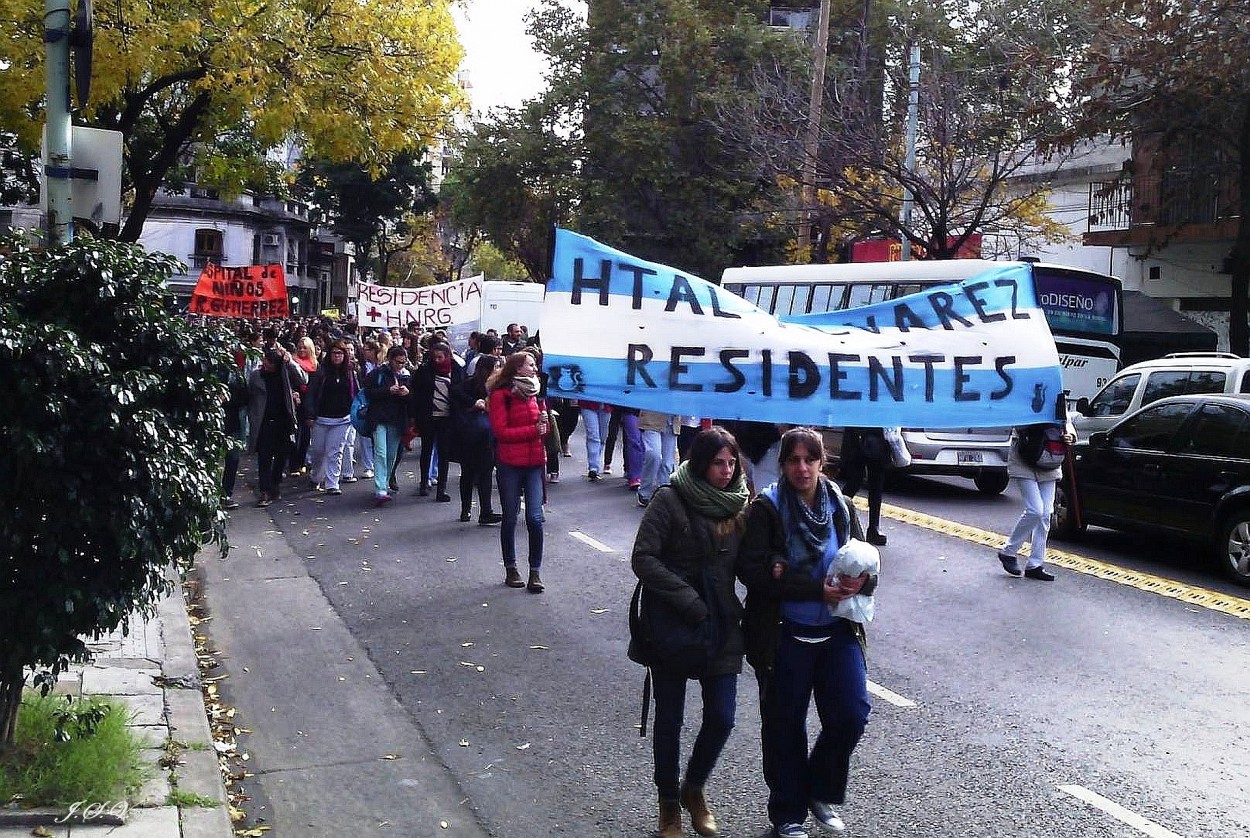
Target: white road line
(598,545)
(889,695)
(1115,810)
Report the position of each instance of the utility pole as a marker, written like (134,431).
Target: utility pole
(815,111)
(909,164)
(58,163)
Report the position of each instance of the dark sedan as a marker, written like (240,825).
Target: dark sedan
(1179,465)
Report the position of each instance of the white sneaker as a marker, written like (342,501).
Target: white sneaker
(790,830)
(368,474)
(827,817)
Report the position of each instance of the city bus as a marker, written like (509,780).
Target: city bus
(1082,307)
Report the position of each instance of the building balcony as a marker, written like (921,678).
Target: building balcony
(199,261)
(1175,206)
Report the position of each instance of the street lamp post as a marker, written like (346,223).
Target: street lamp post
(58,163)
(909,164)
(815,112)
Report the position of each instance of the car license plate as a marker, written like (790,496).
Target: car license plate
(968,458)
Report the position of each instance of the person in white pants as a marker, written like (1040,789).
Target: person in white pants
(350,444)
(329,401)
(1037,489)
(659,445)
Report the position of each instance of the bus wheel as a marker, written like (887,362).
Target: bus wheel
(991,482)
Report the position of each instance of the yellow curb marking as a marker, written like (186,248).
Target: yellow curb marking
(1189,594)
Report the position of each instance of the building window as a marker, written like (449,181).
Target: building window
(208,248)
(785,18)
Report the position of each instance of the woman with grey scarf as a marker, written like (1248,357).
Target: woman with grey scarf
(797,647)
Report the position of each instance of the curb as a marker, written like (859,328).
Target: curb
(181,717)
(198,770)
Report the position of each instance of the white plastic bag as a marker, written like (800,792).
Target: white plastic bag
(855,558)
(900,457)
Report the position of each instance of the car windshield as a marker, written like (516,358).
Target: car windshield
(1116,397)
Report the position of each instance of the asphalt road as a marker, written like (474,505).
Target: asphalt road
(1024,701)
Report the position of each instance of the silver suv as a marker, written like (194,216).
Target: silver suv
(1177,374)
(979,454)
(976,453)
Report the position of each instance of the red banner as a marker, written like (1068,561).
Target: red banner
(891,250)
(252,291)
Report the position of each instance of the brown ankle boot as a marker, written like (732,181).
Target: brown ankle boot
(701,816)
(670,819)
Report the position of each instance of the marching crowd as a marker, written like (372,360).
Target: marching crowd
(744,502)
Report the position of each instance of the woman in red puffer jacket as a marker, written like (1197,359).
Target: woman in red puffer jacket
(519,427)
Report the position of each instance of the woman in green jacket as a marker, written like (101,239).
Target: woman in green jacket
(685,550)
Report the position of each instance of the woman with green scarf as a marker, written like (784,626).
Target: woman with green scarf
(684,554)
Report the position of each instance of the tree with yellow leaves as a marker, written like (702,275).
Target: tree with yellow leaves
(214,84)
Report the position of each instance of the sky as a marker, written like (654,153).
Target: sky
(503,67)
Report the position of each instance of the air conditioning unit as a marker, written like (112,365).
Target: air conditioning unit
(271,239)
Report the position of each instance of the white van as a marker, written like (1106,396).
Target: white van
(507,301)
(1172,375)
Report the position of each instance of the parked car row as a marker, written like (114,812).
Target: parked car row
(1179,465)
(980,454)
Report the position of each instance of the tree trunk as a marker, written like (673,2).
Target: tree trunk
(147,185)
(11,683)
(1239,259)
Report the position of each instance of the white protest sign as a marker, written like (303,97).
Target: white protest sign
(430,306)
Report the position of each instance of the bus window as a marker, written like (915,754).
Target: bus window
(881,293)
(750,293)
(865,294)
(765,300)
(905,288)
(826,298)
(784,301)
(802,299)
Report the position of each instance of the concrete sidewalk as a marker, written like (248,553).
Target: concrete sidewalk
(332,752)
(152,671)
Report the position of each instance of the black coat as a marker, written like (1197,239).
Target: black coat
(423,392)
(765,544)
(386,408)
(673,548)
(471,440)
(861,446)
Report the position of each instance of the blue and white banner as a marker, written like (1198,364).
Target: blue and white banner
(625,331)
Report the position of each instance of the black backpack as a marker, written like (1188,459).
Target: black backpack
(1042,446)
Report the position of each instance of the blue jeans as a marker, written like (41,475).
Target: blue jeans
(659,451)
(595,421)
(385,452)
(833,670)
(633,447)
(720,699)
(513,480)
